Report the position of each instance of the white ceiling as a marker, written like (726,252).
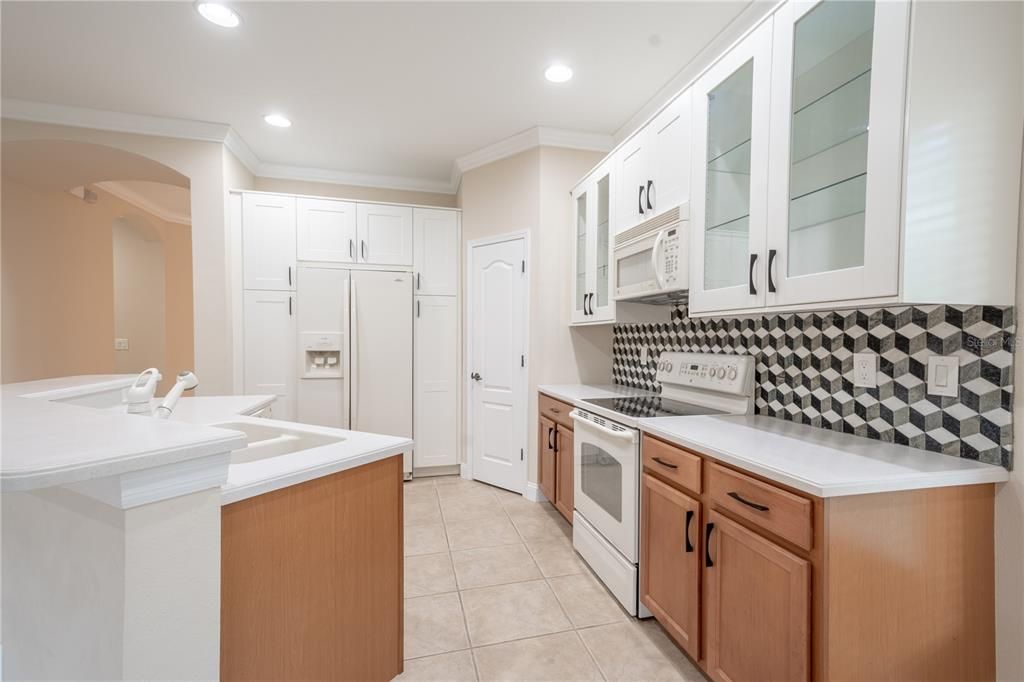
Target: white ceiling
(395,89)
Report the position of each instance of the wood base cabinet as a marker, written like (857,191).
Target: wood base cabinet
(555,452)
(757,581)
(312,579)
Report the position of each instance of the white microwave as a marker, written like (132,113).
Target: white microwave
(651,259)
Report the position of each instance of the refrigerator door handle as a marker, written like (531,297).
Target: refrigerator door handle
(354,344)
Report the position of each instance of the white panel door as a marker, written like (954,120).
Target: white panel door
(669,155)
(436,251)
(435,401)
(729,178)
(268,242)
(498,379)
(381,332)
(270,364)
(384,234)
(838,84)
(632,184)
(326,230)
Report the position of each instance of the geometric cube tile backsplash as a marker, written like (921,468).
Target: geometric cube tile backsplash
(804,370)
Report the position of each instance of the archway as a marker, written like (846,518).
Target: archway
(96,262)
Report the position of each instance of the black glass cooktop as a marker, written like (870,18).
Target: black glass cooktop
(641,407)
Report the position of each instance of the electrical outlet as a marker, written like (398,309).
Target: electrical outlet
(865,367)
(943,375)
(120,344)
(645,355)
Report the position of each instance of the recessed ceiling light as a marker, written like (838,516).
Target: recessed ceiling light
(558,73)
(217,13)
(277,120)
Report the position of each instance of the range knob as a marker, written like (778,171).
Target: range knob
(668,367)
(721,372)
(661,366)
(732,373)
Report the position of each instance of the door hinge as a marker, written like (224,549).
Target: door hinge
(520,454)
(522,361)
(523,266)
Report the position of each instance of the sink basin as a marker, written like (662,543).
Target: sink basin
(271,440)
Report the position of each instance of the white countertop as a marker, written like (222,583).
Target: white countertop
(818,461)
(570,393)
(261,476)
(47,443)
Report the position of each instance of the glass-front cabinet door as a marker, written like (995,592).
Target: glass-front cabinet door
(836,141)
(728,198)
(593,280)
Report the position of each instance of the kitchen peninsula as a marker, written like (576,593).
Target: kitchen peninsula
(112,536)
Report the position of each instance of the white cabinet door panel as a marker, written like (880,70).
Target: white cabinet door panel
(326,230)
(669,154)
(270,362)
(384,234)
(729,178)
(435,404)
(436,251)
(632,167)
(838,85)
(268,242)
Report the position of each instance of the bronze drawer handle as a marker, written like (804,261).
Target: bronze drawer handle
(555,410)
(759,507)
(663,463)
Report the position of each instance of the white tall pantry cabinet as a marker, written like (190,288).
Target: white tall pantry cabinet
(303,267)
(436,325)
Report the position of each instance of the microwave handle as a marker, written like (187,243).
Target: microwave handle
(654,258)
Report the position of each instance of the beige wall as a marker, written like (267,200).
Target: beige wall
(326,189)
(530,191)
(1010,520)
(204,164)
(58,284)
(139,297)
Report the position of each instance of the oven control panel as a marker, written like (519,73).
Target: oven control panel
(711,371)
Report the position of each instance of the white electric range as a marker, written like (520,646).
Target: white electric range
(606,460)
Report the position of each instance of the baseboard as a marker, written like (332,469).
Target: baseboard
(534,494)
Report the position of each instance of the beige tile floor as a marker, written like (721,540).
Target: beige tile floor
(494,591)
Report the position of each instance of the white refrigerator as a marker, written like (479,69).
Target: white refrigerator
(355,347)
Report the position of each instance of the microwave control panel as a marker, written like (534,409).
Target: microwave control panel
(670,257)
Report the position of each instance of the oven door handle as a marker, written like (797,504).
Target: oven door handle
(622,435)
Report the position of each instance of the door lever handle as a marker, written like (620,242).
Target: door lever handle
(475,376)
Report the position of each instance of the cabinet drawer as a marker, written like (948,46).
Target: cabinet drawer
(555,410)
(777,511)
(672,463)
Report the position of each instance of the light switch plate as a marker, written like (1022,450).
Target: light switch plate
(865,367)
(120,344)
(944,375)
(645,355)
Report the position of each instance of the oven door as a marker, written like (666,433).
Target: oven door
(606,465)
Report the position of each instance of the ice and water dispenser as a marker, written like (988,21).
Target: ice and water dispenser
(321,355)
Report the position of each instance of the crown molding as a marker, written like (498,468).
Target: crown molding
(284,172)
(114,121)
(237,145)
(143,203)
(528,139)
(79,117)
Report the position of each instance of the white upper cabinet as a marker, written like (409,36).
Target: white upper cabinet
(268,242)
(326,230)
(593,284)
(668,156)
(838,86)
(728,202)
(653,166)
(436,251)
(384,234)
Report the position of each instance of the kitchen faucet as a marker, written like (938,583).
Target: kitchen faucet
(186,382)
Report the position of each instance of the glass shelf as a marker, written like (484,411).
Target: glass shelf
(735,225)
